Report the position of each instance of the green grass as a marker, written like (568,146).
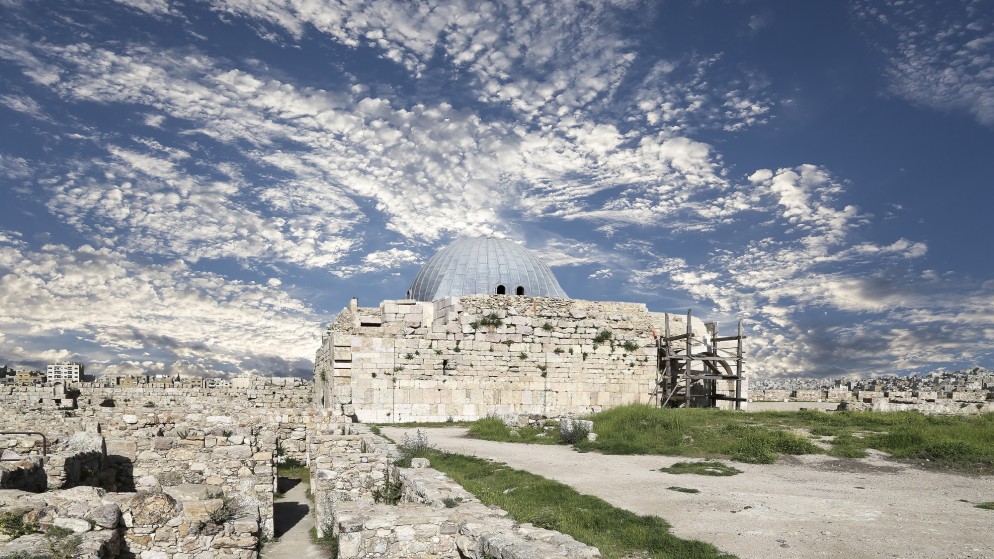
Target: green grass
(700,433)
(548,504)
(986,506)
(705,468)
(494,429)
(683,489)
(294,470)
(963,443)
(328,543)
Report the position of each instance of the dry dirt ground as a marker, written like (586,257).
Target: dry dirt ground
(804,506)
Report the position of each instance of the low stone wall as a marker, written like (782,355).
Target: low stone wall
(435,518)
(26,475)
(216,452)
(80,460)
(938,407)
(184,521)
(179,523)
(88,513)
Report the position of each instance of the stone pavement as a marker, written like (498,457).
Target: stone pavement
(293,524)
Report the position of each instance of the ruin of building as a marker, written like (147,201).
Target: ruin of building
(486,329)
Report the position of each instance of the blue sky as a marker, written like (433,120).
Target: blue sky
(199,186)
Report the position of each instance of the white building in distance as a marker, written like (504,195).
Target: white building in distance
(64,372)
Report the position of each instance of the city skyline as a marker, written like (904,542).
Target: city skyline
(198,188)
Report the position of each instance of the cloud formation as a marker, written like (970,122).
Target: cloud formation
(940,56)
(203,192)
(167,311)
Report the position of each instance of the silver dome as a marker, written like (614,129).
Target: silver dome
(484,265)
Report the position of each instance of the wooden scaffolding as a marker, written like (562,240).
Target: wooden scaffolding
(699,371)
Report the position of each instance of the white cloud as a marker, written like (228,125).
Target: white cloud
(168,309)
(939,55)
(14,167)
(24,104)
(150,7)
(779,283)
(679,95)
(378,261)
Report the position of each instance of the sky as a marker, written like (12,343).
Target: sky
(198,187)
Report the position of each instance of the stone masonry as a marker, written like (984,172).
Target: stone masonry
(469,357)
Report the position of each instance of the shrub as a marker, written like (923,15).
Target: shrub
(412,447)
(391,492)
(603,336)
(548,327)
(226,512)
(573,432)
(14,526)
(492,320)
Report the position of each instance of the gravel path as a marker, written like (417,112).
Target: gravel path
(293,523)
(804,506)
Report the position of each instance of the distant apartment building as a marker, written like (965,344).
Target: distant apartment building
(27,378)
(64,372)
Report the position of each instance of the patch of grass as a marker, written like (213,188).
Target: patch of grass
(845,445)
(986,506)
(683,489)
(545,503)
(295,469)
(494,429)
(705,468)
(964,443)
(328,542)
(63,543)
(14,526)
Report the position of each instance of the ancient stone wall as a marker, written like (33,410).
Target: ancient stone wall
(469,357)
(434,518)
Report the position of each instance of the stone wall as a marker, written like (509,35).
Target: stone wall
(88,513)
(466,358)
(155,448)
(434,518)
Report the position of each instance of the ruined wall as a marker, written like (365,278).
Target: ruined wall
(434,518)
(465,358)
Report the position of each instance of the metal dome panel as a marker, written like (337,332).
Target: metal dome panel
(478,266)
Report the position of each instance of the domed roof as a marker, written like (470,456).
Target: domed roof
(484,265)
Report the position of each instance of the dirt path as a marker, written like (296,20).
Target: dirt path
(293,523)
(805,506)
